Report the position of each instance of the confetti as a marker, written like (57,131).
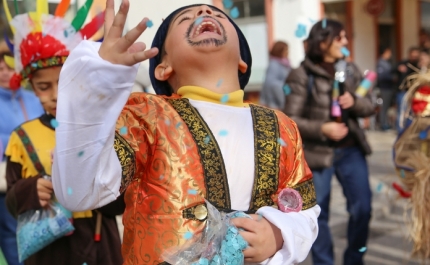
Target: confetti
(149,23)
(207,139)
(81,153)
(123,130)
(379,187)
(227,3)
(167,122)
(54,123)
(177,125)
(84,263)
(198,21)
(300,31)
(324,23)
(224,98)
(287,89)
(219,82)
(192,192)
(223,133)
(402,174)
(363,249)
(423,135)
(34,65)
(345,51)
(281,142)
(161,177)
(188,235)
(66,34)
(234,13)
(69,191)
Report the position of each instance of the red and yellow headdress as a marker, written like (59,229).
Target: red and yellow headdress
(42,40)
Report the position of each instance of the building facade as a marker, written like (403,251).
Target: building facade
(370,25)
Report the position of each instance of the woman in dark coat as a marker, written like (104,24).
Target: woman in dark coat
(334,143)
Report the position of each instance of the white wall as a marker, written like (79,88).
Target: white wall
(409,25)
(287,14)
(364,37)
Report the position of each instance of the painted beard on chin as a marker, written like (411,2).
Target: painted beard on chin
(209,41)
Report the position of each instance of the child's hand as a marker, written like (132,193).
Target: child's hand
(123,50)
(264,238)
(44,191)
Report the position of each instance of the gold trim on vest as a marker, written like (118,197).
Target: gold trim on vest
(217,190)
(267,153)
(307,191)
(127,160)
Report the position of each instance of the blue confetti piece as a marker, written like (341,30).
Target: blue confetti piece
(34,65)
(167,122)
(177,125)
(281,142)
(345,51)
(234,13)
(207,139)
(54,123)
(149,23)
(423,135)
(363,249)
(161,177)
(81,153)
(192,192)
(69,191)
(379,187)
(219,82)
(300,31)
(227,4)
(224,98)
(188,235)
(287,89)
(402,174)
(66,34)
(84,263)
(223,133)
(324,23)
(198,21)
(123,130)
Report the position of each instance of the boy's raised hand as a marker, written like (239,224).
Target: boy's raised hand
(123,50)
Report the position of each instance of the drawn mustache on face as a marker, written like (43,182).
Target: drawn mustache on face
(208,41)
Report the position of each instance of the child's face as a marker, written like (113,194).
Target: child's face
(199,30)
(5,74)
(45,86)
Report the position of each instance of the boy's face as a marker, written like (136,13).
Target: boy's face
(199,30)
(45,86)
(6,74)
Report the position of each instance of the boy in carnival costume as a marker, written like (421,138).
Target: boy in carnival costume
(42,44)
(195,143)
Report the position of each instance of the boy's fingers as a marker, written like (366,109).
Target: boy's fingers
(141,56)
(128,40)
(119,21)
(109,16)
(245,223)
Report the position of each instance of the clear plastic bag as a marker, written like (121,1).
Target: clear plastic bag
(39,228)
(218,244)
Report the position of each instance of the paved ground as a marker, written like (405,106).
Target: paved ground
(388,244)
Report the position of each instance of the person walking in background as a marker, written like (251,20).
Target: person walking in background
(333,145)
(17,106)
(385,85)
(424,61)
(405,68)
(272,93)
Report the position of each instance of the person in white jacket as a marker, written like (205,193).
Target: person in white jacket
(193,145)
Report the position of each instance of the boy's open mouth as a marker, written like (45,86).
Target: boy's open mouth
(208,27)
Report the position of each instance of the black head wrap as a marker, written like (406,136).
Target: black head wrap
(163,87)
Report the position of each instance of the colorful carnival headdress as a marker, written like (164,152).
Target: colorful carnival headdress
(42,40)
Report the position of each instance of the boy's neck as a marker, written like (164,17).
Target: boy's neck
(212,75)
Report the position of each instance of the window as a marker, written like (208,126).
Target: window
(250,8)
